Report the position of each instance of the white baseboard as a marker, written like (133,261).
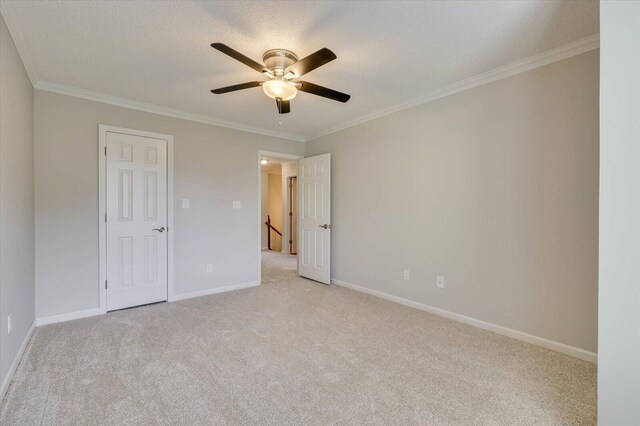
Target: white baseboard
(67,317)
(96,311)
(519,335)
(210,291)
(16,361)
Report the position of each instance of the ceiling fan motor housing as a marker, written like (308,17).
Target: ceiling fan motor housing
(277,60)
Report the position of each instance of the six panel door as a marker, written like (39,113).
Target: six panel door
(314,201)
(136,220)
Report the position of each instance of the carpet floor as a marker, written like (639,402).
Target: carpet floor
(291,351)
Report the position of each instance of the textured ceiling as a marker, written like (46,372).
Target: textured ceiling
(388,53)
(274,164)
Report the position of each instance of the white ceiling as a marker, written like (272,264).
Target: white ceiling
(389,53)
(274,164)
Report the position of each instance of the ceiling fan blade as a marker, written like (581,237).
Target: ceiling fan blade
(311,62)
(284,107)
(314,89)
(236,87)
(239,57)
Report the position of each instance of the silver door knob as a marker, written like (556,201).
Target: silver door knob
(325,226)
(161,229)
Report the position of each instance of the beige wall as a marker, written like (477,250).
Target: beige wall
(16,202)
(274,208)
(212,167)
(619,343)
(496,188)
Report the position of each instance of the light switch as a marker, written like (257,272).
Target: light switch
(236,204)
(185,203)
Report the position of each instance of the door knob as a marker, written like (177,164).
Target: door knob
(325,226)
(161,229)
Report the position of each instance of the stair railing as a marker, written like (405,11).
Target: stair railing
(271,228)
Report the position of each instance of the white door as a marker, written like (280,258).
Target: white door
(314,198)
(136,220)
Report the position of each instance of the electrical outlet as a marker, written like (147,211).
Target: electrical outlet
(9,324)
(209,267)
(237,204)
(407,275)
(440,281)
(185,203)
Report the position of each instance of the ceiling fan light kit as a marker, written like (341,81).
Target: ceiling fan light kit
(281,67)
(278,88)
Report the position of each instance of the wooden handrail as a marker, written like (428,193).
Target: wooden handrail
(269,227)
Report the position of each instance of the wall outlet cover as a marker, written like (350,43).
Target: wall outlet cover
(237,204)
(440,281)
(407,275)
(185,203)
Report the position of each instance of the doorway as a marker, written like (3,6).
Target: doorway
(278,213)
(278,205)
(307,196)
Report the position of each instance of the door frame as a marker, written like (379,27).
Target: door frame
(290,191)
(262,153)
(102,206)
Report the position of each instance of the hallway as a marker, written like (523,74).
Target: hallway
(277,266)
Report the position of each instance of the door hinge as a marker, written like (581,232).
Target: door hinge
(106,285)
(105,150)
(290,213)
(105,217)
(290,241)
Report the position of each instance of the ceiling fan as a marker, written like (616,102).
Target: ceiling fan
(282,68)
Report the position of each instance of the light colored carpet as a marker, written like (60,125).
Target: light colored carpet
(291,352)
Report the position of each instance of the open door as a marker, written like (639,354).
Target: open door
(314,199)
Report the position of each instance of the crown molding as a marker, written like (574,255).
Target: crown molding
(62,89)
(527,64)
(16,34)
(18,39)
